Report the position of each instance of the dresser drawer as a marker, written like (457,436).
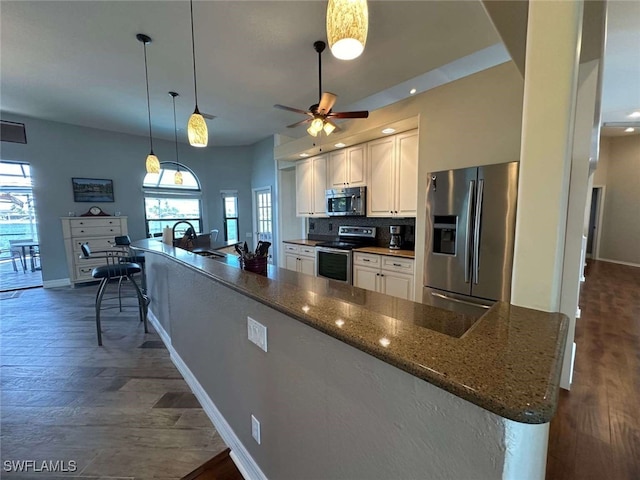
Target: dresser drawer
(366,259)
(396,264)
(113,231)
(95,222)
(95,244)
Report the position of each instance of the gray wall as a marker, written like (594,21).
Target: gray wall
(58,151)
(620,236)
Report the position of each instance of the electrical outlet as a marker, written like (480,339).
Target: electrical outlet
(255,429)
(257,333)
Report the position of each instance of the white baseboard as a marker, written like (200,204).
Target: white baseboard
(619,262)
(239,454)
(60,282)
(164,336)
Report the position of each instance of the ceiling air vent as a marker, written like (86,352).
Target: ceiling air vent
(12,132)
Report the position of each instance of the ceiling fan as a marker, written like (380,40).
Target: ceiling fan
(320,114)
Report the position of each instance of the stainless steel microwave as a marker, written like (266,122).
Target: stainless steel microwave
(342,202)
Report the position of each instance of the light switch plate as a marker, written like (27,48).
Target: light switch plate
(257,333)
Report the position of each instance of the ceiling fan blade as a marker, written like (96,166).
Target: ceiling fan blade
(326,102)
(208,116)
(307,120)
(358,114)
(291,109)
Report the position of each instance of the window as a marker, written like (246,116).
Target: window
(230,215)
(166,203)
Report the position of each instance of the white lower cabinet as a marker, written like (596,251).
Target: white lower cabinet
(384,274)
(300,258)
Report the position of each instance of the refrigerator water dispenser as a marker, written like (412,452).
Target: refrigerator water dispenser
(444,234)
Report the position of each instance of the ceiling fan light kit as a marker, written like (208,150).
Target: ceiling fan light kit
(152,164)
(347,27)
(197,127)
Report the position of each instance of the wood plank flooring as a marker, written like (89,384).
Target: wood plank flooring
(119,411)
(596,431)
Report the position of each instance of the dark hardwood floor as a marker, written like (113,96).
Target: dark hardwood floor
(220,467)
(596,431)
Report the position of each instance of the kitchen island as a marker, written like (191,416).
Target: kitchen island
(356,384)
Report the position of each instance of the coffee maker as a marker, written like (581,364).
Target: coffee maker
(396,237)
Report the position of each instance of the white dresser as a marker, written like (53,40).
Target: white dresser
(98,232)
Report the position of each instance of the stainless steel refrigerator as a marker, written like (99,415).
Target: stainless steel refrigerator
(470,232)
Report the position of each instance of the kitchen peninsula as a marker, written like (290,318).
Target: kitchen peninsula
(357,384)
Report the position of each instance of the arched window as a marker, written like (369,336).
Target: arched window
(166,203)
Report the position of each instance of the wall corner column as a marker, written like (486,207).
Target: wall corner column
(551,78)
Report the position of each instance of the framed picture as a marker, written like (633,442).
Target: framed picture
(92,190)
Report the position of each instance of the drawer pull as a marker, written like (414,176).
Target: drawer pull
(397,264)
(366,260)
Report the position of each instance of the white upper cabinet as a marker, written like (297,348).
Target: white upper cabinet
(348,167)
(393,176)
(311,183)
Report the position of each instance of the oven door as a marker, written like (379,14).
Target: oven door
(333,264)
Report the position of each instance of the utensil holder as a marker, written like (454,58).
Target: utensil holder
(255,265)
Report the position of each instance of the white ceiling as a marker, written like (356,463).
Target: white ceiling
(80,63)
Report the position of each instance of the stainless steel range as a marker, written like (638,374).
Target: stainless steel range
(333,259)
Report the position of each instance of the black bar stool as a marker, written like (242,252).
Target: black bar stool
(115,268)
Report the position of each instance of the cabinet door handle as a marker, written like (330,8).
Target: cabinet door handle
(81,231)
(382,274)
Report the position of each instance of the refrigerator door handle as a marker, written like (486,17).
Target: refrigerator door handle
(457,300)
(467,246)
(476,233)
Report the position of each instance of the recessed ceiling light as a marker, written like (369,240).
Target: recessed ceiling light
(629,130)
(340,145)
(386,131)
(303,155)
(412,91)
(635,114)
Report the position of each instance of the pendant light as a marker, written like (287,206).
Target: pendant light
(152,164)
(177,179)
(347,26)
(197,127)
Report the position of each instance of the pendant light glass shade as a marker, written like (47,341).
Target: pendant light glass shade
(177,179)
(347,26)
(153,164)
(197,127)
(197,130)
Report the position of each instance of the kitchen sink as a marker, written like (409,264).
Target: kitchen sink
(210,254)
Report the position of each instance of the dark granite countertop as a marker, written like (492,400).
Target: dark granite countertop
(508,361)
(305,242)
